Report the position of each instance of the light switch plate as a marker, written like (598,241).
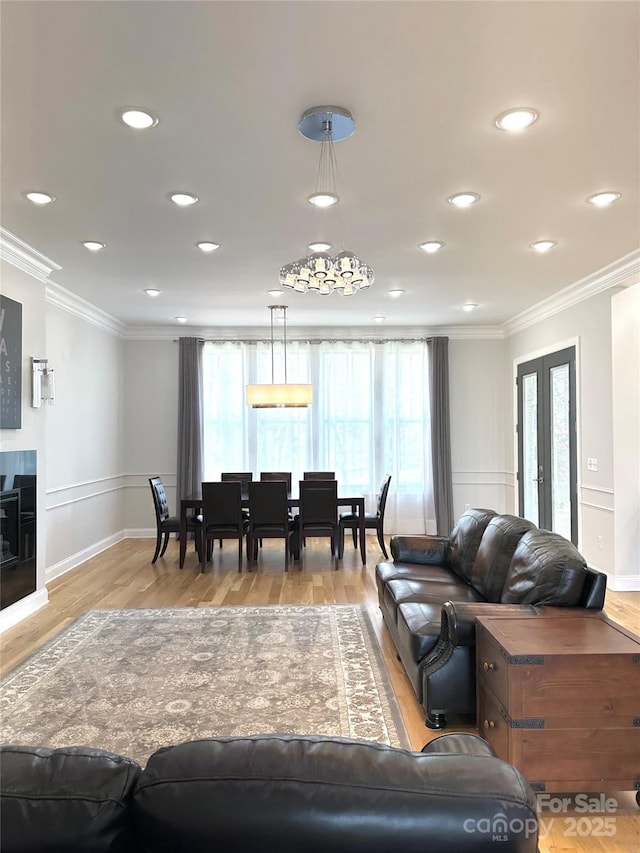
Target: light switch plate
(592,463)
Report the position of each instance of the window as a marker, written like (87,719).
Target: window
(369,418)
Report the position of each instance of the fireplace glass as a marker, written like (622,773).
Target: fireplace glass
(17,525)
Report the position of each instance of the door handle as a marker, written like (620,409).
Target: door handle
(538,479)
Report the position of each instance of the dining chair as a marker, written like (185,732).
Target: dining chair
(242,476)
(268,516)
(222,517)
(167,524)
(319,475)
(318,515)
(277,475)
(372,521)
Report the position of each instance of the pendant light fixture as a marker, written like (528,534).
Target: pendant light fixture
(321,273)
(284,395)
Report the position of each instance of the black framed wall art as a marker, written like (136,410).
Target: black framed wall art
(10,364)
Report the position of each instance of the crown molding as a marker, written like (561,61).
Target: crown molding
(19,254)
(620,273)
(73,304)
(314,333)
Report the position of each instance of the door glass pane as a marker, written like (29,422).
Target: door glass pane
(560,451)
(530,446)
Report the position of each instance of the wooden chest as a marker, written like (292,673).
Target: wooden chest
(559,697)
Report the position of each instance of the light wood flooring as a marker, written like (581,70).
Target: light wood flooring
(123,577)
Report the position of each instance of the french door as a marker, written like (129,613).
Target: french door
(546,428)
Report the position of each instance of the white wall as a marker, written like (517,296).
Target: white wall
(626,432)
(23,288)
(477,400)
(85,472)
(588,325)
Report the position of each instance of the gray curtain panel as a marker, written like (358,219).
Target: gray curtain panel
(441,433)
(189,477)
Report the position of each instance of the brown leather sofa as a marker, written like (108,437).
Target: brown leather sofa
(267,794)
(490,565)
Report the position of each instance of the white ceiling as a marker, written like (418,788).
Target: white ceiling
(229,80)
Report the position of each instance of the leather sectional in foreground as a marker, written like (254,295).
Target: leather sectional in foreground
(490,565)
(267,794)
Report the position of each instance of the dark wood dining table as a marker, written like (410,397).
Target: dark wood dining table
(194,502)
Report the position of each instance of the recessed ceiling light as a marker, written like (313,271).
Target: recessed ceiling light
(320,246)
(432,246)
(93,245)
(469,306)
(183,199)
(181,319)
(275,292)
(603,199)
(37,197)
(137,118)
(463,199)
(543,246)
(516,119)
(379,318)
(152,291)
(323,199)
(395,292)
(206,246)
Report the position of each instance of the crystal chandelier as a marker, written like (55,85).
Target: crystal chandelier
(321,273)
(284,395)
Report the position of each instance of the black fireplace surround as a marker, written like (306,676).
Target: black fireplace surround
(17,525)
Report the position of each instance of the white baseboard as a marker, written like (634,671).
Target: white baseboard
(139,533)
(623,583)
(21,609)
(52,572)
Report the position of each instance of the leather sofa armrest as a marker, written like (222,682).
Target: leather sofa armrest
(458,625)
(422,550)
(458,743)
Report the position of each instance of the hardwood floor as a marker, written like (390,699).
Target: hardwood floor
(123,577)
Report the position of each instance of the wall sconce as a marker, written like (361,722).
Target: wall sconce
(43,385)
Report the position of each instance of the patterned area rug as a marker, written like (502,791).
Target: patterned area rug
(131,681)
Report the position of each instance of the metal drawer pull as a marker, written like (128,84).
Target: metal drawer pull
(489,724)
(489,666)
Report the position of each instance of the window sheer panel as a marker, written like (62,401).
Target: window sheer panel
(346,423)
(225,417)
(406,437)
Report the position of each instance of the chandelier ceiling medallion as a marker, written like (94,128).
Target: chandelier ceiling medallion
(283,395)
(321,273)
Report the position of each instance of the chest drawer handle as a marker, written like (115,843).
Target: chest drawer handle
(489,667)
(489,724)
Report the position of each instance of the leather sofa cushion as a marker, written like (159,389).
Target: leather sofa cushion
(546,569)
(422,549)
(496,549)
(410,571)
(464,540)
(398,591)
(74,800)
(303,793)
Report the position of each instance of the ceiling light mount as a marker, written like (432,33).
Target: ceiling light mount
(319,272)
(604,199)
(517,119)
(138,118)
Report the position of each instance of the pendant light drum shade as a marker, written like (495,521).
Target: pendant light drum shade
(279,395)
